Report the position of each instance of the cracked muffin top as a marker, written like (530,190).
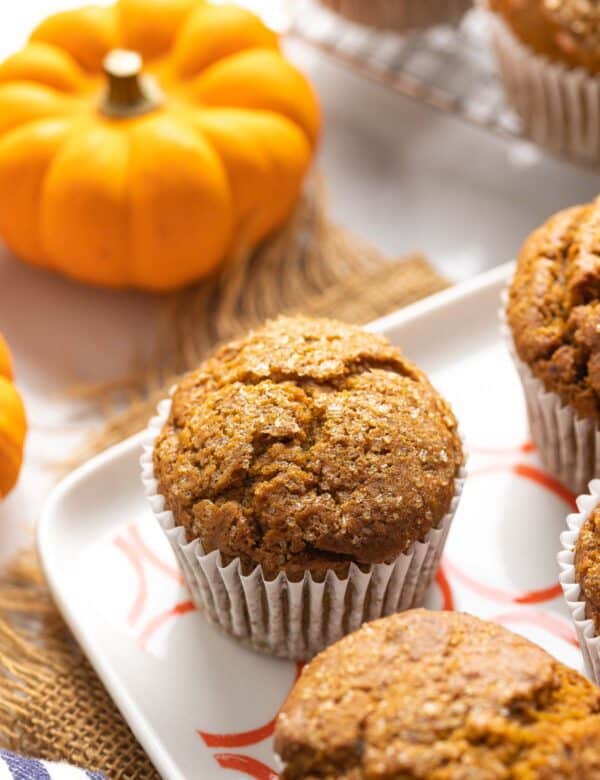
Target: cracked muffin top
(554,307)
(566,31)
(306,445)
(587,565)
(439,696)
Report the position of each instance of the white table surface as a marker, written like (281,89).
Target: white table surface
(400,174)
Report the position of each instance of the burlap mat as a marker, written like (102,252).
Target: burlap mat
(52,705)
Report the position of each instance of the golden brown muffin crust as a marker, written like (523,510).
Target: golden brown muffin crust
(566,31)
(439,696)
(554,306)
(587,565)
(307,445)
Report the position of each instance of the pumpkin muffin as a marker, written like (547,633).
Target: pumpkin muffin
(587,565)
(566,31)
(554,317)
(549,54)
(401,15)
(579,562)
(439,696)
(312,449)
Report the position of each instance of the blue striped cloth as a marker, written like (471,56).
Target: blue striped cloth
(14,767)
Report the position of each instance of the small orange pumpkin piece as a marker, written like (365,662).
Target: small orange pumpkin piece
(13,425)
(124,178)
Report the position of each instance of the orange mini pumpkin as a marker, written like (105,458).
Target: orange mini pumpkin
(12,425)
(128,176)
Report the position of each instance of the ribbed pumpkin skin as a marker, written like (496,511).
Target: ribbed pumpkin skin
(13,425)
(156,201)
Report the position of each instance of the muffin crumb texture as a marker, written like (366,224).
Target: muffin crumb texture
(439,696)
(566,31)
(554,307)
(587,565)
(307,445)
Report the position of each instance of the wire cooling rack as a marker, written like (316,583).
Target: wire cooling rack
(450,69)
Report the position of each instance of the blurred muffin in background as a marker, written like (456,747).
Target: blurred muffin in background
(549,57)
(400,15)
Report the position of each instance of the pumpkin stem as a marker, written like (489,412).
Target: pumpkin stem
(129,92)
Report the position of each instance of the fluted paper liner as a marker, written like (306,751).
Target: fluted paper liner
(585,627)
(400,15)
(568,445)
(293,619)
(559,106)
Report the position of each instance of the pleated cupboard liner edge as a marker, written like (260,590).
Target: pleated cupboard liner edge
(400,15)
(568,445)
(294,619)
(559,106)
(589,641)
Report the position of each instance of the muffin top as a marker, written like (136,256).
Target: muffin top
(587,565)
(554,306)
(306,445)
(566,31)
(439,696)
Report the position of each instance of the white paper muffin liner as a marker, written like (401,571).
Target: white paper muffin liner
(568,445)
(293,619)
(400,15)
(559,106)
(585,628)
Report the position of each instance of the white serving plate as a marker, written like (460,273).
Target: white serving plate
(201,704)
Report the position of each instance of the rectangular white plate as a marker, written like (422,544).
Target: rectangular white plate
(201,704)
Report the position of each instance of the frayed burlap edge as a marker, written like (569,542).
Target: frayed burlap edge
(52,704)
